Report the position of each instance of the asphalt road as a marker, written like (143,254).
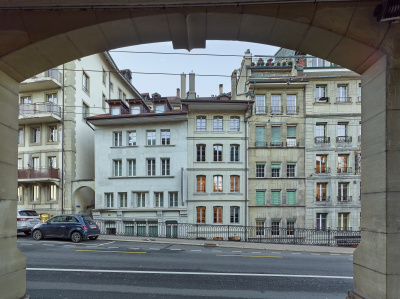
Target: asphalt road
(102,269)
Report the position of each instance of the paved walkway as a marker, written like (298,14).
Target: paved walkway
(230,244)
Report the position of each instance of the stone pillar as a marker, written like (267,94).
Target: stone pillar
(12,261)
(377,258)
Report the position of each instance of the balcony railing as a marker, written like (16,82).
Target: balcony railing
(38,173)
(344,198)
(322,100)
(343,139)
(343,99)
(322,198)
(276,109)
(326,170)
(276,144)
(323,140)
(39,108)
(292,143)
(344,170)
(261,109)
(292,109)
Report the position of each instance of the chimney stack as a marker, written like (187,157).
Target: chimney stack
(178,93)
(233,85)
(221,89)
(183,86)
(192,93)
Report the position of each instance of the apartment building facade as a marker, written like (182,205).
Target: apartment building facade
(55,143)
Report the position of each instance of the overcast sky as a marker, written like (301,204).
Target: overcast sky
(166,85)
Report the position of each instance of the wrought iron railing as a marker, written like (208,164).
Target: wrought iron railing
(322,140)
(276,109)
(344,170)
(277,235)
(343,99)
(344,139)
(39,108)
(322,170)
(292,109)
(323,198)
(260,109)
(344,198)
(38,173)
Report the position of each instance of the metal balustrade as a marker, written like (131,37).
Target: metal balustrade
(343,99)
(344,139)
(38,173)
(344,198)
(292,109)
(344,170)
(39,108)
(322,140)
(321,170)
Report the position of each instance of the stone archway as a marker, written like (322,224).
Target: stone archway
(344,32)
(83,196)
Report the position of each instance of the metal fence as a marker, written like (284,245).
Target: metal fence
(300,236)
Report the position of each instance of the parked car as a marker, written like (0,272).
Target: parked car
(26,220)
(74,227)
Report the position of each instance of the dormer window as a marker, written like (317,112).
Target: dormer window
(160,108)
(115,110)
(135,109)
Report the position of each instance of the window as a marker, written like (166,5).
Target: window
(218,126)
(275,136)
(131,167)
(135,109)
(26,100)
(291,104)
(260,170)
(123,199)
(85,110)
(342,94)
(104,77)
(111,86)
(217,214)
(359,93)
(235,214)
(275,227)
(35,135)
(173,199)
(276,107)
(275,170)
(260,136)
(35,192)
(234,154)
(260,198)
(109,200)
(235,124)
(35,163)
(201,183)
(117,167)
(158,199)
(320,93)
(53,192)
(20,193)
(160,108)
(141,199)
(201,123)
(52,98)
(119,93)
(290,227)
(275,197)
(217,183)
(317,62)
(234,183)
(260,104)
(321,221)
(165,137)
(151,137)
(320,132)
(291,136)
(260,227)
(117,139)
(343,221)
(151,167)
(19,163)
(291,170)
(291,197)
(342,133)
(217,153)
(20,136)
(201,214)
(52,134)
(115,110)
(321,191)
(320,165)
(165,167)
(52,162)
(201,152)
(342,164)
(85,82)
(132,138)
(342,191)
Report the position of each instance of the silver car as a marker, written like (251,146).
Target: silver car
(26,220)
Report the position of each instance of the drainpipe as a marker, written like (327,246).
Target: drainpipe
(62,140)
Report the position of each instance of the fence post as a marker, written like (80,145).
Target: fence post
(197,230)
(228,232)
(329,236)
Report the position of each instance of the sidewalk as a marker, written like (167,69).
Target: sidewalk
(230,244)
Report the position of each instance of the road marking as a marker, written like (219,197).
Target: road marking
(69,245)
(256,252)
(335,254)
(276,252)
(189,273)
(26,244)
(106,243)
(195,250)
(154,248)
(134,248)
(237,251)
(250,255)
(296,253)
(112,247)
(108,251)
(48,244)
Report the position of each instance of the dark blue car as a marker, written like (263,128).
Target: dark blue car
(74,227)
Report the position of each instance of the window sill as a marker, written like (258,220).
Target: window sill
(124,146)
(160,145)
(141,177)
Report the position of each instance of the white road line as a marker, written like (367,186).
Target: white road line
(296,253)
(69,246)
(26,244)
(106,243)
(112,247)
(135,248)
(256,252)
(48,244)
(189,273)
(195,250)
(335,254)
(154,248)
(237,251)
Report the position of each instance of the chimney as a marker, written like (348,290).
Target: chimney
(178,93)
(192,93)
(183,86)
(221,89)
(233,85)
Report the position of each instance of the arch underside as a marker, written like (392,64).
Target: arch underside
(342,32)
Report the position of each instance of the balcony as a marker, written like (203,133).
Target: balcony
(344,170)
(276,109)
(322,100)
(322,140)
(343,100)
(343,140)
(51,79)
(292,109)
(322,198)
(292,143)
(39,113)
(260,109)
(344,198)
(322,170)
(42,174)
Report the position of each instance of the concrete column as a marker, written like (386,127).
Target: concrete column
(376,260)
(12,261)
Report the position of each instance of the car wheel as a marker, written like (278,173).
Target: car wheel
(37,235)
(27,233)
(76,237)
(93,238)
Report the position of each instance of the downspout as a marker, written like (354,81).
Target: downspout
(62,140)
(246,180)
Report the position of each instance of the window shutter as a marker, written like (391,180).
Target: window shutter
(260,198)
(260,135)
(275,197)
(291,197)
(275,166)
(291,132)
(276,134)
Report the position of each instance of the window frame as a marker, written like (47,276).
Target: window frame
(117,168)
(201,214)
(151,137)
(131,163)
(218,183)
(218,152)
(234,124)
(165,137)
(151,166)
(117,140)
(85,82)
(123,199)
(109,199)
(218,214)
(235,183)
(130,138)
(260,170)
(234,153)
(201,123)
(234,214)
(165,166)
(200,152)
(218,123)
(200,183)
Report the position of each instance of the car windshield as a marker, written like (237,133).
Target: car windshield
(28,213)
